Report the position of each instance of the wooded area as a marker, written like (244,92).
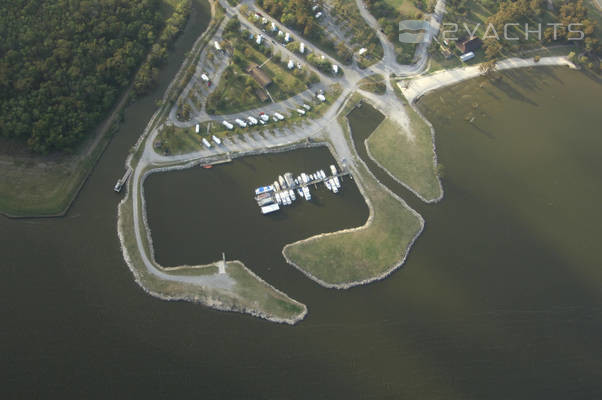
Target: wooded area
(63,63)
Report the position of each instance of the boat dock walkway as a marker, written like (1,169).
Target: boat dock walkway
(123,180)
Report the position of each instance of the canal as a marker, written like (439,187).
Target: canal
(500,297)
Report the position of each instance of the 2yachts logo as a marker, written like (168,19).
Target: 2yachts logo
(511,31)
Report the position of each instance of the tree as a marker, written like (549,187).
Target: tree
(488,67)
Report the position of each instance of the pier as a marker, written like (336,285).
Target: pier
(123,180)
(285,189)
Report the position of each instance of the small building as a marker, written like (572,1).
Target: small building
(287,37)
(314,8)
(228,125)
(467,56)
(204,77)
(470,45)
(318,15)
(217,46)
(259,39)
(290,64)
(321,98)
(362,51)
(198,128)
(260,77)
(264,20)
(302,48)
(274,28)
(335,68)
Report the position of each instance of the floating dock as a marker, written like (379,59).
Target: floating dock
(282,191)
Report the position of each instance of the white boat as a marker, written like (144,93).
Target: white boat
(264,189)
(304,177)
(333,169)
(336,181)
(278,198)
(288,177)
(322,174)
(291,193)
(327,184)
(269,209)
(334,187)
(287,198)
(282,182)
(306,193)
(296,181)
(300,192)
(276,186)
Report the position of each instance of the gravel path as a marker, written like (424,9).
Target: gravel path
(421,85)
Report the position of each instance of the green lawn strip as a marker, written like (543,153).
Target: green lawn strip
(407,157)
(347,258)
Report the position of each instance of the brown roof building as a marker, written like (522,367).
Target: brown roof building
(472,44)
(259,76)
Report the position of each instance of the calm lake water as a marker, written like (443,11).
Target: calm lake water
(500,297)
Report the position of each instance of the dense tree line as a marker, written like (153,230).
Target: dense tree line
(63,64)
(148,72)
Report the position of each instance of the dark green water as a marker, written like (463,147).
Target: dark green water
(500,297)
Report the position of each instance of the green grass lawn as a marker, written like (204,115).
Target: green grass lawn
(408,157)
(363,254)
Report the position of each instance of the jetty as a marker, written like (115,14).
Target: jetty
(123,180)
(285,190)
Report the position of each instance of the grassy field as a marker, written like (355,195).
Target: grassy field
(248,294)
(374,83)
(408,157)
(367,253)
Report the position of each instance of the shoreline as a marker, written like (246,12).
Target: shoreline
(420,86)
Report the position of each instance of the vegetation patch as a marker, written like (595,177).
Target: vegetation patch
(300,16)
(486,19)
(407,156)
(374,83)
(360,255)
(389,13)
(64,64)
(238,90)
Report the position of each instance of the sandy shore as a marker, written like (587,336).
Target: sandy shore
(424,84)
